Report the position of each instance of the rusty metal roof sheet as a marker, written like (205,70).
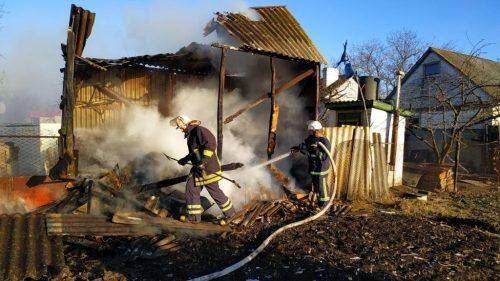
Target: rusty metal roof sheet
(25,249)
(81,22)
(276,31)
(194,58)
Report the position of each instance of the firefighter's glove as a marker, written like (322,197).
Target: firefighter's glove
(183,161)
(294,149)
(200,168)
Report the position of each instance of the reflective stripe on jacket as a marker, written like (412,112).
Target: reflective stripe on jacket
(202,145)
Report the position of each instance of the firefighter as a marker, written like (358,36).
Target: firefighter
(206,171)
(319,164)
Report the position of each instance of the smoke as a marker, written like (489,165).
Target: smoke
(31,60)
(32,81)
(165,26)
(142,131)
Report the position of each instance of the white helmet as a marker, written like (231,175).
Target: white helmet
(314,126)
(181,119)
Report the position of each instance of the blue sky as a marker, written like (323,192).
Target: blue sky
(329,23)
(31,33)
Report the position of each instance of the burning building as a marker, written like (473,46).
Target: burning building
(264,64)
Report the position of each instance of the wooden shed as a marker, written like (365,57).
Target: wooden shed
(96,89)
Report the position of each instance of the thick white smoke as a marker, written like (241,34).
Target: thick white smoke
(143,130)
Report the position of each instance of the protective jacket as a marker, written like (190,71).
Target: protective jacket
(318,159)
(202,145)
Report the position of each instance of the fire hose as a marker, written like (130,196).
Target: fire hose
(264,244)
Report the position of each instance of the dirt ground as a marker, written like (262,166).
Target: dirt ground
(451,236)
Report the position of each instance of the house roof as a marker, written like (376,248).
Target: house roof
(275,31)
(359,105)
(479,70)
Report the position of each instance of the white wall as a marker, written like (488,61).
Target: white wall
(413,98)
(36,155)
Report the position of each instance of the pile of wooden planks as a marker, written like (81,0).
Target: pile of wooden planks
(267,210)
(261,210)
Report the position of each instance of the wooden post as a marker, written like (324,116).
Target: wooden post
(70,102)
(394,142)
(170,93)
(317,93)
(220,101)
(395,123)
(457,163)
(273,119)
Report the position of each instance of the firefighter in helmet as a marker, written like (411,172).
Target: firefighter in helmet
(319,164)
(206,171)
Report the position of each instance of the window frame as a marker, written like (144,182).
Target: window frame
(430,64)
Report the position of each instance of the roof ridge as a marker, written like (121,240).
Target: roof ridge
(462,54)
(268,6)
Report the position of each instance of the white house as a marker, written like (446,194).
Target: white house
(438,77)
(345,106)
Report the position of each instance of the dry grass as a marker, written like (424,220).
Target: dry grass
(480,205)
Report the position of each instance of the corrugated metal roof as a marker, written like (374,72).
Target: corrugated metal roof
(81,22)
(25,249)
(194,59)
(276,31)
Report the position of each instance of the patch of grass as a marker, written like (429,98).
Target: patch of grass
(481,205)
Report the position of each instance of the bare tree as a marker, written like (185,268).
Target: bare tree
(449,104)
(399,51)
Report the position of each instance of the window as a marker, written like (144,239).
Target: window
(349,118)
(432,68)
(415,121)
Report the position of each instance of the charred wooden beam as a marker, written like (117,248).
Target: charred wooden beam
(68,104)
(170,93)
(220,101)
(273,210)
(316,93)
(273,119)
(262,98)
(82,225)
(112,94)
(92,64)
(250,216)
(176,180)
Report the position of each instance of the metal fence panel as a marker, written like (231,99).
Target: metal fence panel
(380,183)
(27,155)
(360,162)
(341,140)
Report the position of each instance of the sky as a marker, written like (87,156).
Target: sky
(31,32)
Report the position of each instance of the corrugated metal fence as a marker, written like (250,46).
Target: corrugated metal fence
(361,163)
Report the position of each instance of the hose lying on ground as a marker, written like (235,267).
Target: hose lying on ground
(264,244)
